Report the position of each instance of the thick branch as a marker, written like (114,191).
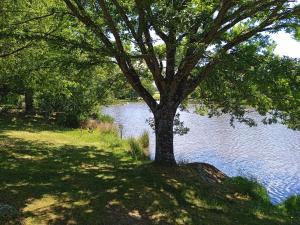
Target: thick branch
(119,54)
(90,24)
(124,62)
(144,29)
(171,48)
(193,55)
(148,56)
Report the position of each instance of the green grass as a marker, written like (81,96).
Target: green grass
(292,206)
(136,150)
(60,176)
(106,118)
(144,139)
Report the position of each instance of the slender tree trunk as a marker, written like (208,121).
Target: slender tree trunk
(164,152)
(29,102)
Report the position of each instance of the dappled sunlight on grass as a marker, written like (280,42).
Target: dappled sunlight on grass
(55,176)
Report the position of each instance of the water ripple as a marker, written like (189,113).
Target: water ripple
(268,154)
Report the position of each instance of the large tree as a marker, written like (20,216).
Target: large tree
(181,43)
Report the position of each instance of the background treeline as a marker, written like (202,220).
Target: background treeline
(49,64)
(50,80)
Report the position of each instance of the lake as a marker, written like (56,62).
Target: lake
(269,154)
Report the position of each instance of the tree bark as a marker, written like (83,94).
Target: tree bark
(164,152)
(29,102)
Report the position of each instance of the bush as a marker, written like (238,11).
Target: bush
(68,119)
(249,187)
(75,105)
(13,100)
(292,205)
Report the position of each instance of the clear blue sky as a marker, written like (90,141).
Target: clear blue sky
(286,45)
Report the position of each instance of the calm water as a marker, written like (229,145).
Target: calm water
(268,153)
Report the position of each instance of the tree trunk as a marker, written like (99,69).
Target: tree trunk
(29,102)
(164,152)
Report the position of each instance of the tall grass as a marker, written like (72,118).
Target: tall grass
(139,147)
(144,139)
(135,149)
(105,118)
(102,127)
(108,128)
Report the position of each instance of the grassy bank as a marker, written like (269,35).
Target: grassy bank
(60,176)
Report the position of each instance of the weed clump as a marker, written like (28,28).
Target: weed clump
(144,139)
(139,147)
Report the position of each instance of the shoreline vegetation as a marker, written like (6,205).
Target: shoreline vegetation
(55,175)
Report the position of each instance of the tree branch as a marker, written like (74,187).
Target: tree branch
(32,19)
(16,51)
(90,24)
(194,82)
(155,66)
(124,62)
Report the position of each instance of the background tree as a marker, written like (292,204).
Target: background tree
(19,75)
(52,80)
(195,39)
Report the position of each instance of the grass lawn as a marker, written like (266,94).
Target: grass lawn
(60,176)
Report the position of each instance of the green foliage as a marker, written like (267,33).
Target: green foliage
(136,150)
(292,205)
(245,75)
(139,147)
(12,99)
(248,187)
(68,119)
(72,49)
(69,78)
(122,90)
(252,79)
(144,139)
(105,118)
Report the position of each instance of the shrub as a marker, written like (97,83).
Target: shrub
(249,187)
(12,100)
(68,119)
(292,205)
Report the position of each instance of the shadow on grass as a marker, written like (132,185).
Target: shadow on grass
(88,185)
(29,123)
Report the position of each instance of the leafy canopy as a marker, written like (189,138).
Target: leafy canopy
(218,47)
